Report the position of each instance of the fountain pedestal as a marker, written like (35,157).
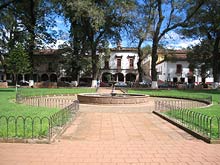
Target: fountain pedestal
(112,98)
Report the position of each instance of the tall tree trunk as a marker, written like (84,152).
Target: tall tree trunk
(95,69)
(156,39)
(153,62)
(4,67)
(32,34)
(154,59)
(216,59)
(140,55)
(75,56)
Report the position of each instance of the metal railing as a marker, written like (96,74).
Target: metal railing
(17,128)
(44,101)
(164,105)
(24,127)
(178,111)
(201,123)
(202,98)
(61,118)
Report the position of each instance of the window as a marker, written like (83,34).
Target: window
(131,63)
(175,79)
(178,68)
(182,80)
(118,63)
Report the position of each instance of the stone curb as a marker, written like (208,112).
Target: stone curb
(193,133)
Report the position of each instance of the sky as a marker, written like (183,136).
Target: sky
(172,40)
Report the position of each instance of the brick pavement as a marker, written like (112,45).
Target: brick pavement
(115,135)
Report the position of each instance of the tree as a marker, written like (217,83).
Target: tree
(97,21)
(141,18)
(5,3)
(200,58)
(205,25)
(11,32)
(36,17)
(177,14)
(18,62)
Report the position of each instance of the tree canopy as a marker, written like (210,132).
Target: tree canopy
(205,26)
(94,23)
(18,61)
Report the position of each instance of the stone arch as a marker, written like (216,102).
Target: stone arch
(119,77)
(130,77)
(53,77)
(44,77)
(106,77)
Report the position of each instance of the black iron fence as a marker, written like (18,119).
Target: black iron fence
(168,104)
(61,118)
(45,101)
(178,111)
(201,123)
(198,98)
(26,128)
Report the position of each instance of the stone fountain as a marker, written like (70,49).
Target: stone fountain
(112,98)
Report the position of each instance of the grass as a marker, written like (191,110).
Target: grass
(213,110)
(19,120)
(198,123)
(51,91)
(8,107)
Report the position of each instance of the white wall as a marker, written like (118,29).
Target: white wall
(124,61)
(168,67)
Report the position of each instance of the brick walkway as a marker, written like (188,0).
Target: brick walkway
(118,135)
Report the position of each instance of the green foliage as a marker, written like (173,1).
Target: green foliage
(200,57)
(93,23)
(205,25)
(177,14)
(37,18)
(18,61)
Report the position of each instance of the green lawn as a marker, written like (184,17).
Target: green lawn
(8,107)
(213,110)
(199,124)
(22,121)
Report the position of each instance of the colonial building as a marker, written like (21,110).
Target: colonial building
(172,66)
(120,66)
(47,65)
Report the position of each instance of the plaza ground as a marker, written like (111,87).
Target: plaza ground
(116,135)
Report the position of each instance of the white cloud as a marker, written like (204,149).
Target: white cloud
(176,41)
(182,44)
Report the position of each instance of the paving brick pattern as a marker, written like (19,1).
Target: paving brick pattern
(115,135)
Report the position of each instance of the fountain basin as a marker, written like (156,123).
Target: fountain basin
(95,98)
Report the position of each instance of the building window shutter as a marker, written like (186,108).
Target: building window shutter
(179,68)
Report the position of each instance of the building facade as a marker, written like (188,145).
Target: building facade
(121,66)
(47,65)
(172,66)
